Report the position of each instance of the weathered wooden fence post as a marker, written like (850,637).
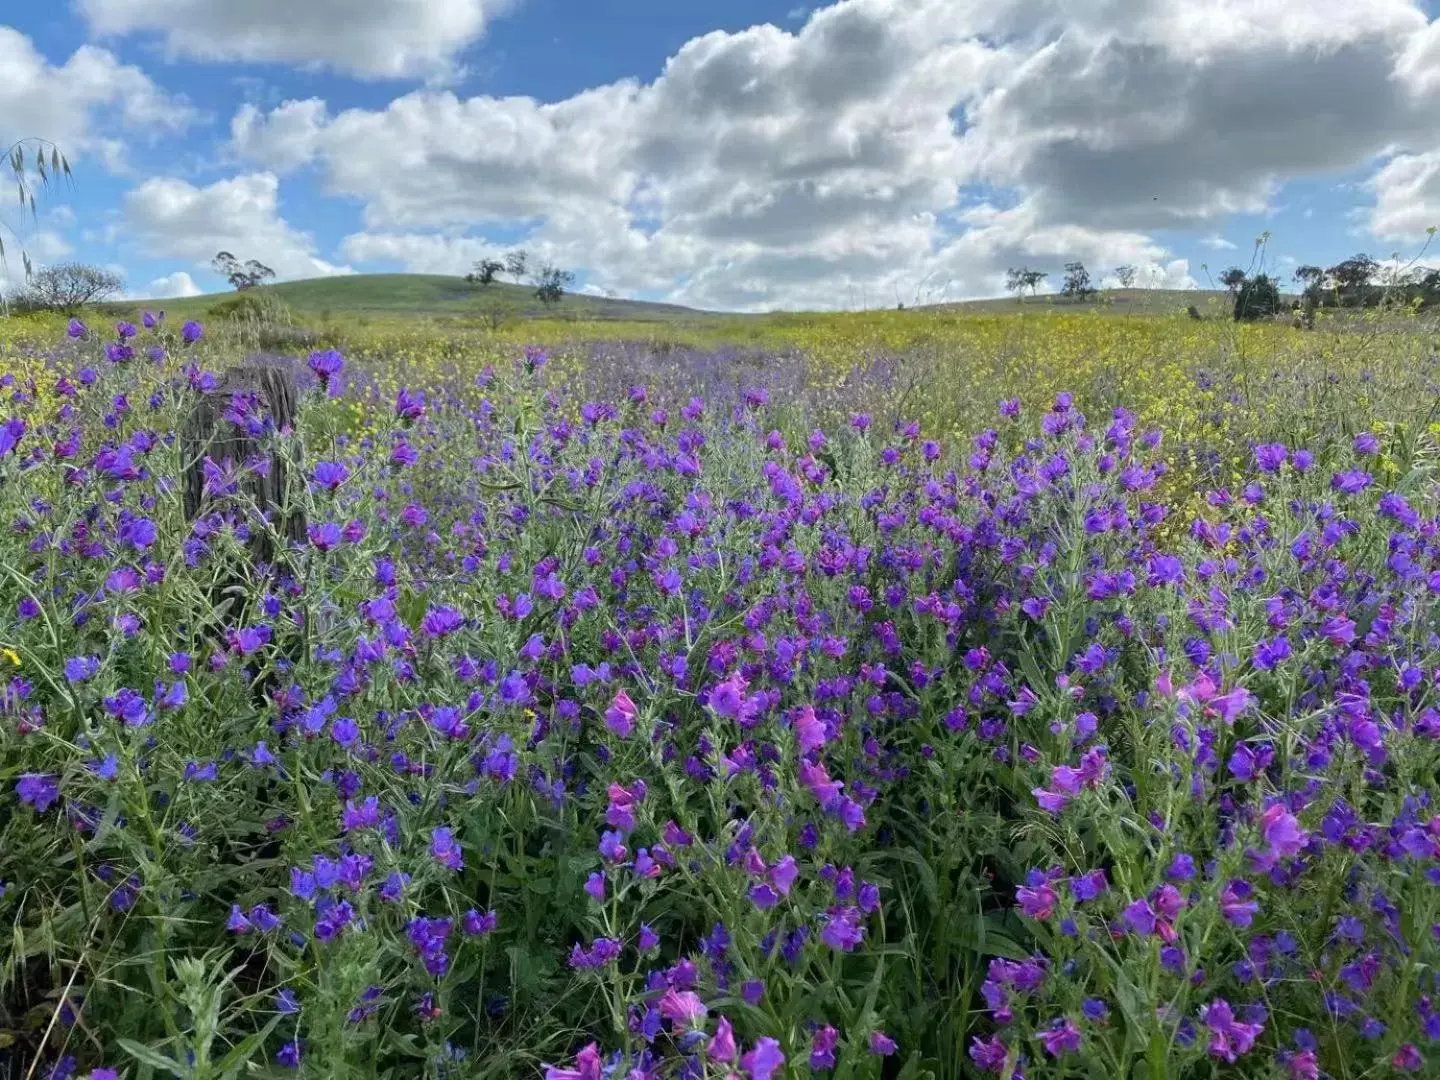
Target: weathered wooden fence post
(270,391)
(208,434)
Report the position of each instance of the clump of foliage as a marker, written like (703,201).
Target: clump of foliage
(259,319)
(253,306)
(1257,297)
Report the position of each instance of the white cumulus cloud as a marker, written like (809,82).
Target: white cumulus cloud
(172,218)
(368,38)
(1407,196)
(420,253)
(87,105)
(169,287)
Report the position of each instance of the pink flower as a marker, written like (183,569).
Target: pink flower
(783,875)
(991,1055)
(1062,1037)
(1281,833)
(819,784)
(1408,1059)
(587,1066)
(1231,705)
(1050,801)
(809,731)
(623,801)
(765,1060)
(621,715)
(1304,1066)
(1039,902)
(682,1007)
(722,1045)
(1198,692)
(1229,1038)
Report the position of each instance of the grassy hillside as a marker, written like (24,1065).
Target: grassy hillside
(442,296)
(429,294)
(1120,301)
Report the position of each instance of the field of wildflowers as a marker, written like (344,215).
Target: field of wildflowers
(897,696)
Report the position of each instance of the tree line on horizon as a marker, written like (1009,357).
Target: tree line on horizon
(1359,281)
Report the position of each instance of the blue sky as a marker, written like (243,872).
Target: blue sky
(736,154)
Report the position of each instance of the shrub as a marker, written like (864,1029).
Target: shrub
(1258,298)
(251,305)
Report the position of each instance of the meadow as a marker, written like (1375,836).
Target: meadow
(907,694)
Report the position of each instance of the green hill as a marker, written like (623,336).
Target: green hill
(429,294)
(1209,302)
(444,296)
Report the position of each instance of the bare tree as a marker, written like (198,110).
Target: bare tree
(1125,274)
(241,276)
(67,287)
(516,264)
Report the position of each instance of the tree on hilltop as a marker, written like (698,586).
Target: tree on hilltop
(67,287)
(1125,274)
(250,274)
(517,263)
(1077,281)
(551,282)
(1020,278)
(485,271)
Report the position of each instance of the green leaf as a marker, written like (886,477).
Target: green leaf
(149,1056)
(914,1069)
(1031,669)
(239,1056)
